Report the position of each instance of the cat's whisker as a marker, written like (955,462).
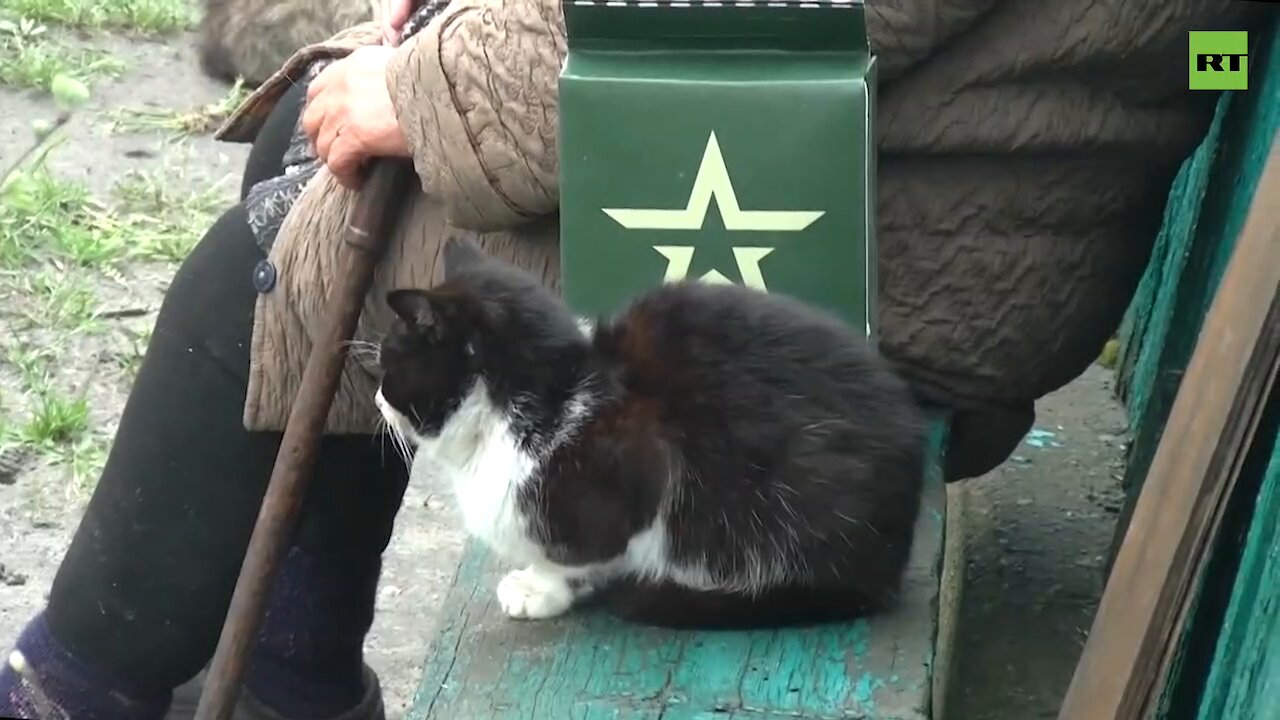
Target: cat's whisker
(391,435)
(405,451)
(388,430)
(401,445)
(384,430)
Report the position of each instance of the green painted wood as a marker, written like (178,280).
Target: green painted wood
(1151,386)
(1212,597)
(1244,682)
(1205,211)
(588,666)
(1152,298)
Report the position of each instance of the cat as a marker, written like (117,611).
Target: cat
(714,456)
(252,39)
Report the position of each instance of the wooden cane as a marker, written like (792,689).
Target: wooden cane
(368,228)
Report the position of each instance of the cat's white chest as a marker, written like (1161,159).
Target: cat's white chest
(479,458)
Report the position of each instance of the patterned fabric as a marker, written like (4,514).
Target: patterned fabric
(268,202)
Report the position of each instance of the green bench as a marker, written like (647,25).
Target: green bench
(672,167)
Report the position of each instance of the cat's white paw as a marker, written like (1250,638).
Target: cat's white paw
(531,595)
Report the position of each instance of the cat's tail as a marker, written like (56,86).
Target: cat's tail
(676,607)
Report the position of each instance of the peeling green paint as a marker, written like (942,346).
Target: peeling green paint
(864,692)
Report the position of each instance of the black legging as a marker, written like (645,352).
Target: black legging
(145,585)
(266,157)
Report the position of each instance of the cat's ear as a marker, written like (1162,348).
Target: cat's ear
(413,306)
(460,254)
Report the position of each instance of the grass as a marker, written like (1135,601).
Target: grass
(57,425)
(85,460)
(57,244)
(130,358)
(67,258)
(165,224)
(45,217)
(62,301)
(194,121)
(29,59)
(54,418)
(150,16)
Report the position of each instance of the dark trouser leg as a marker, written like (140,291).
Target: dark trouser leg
(266,158)
(983,439)
(141,595)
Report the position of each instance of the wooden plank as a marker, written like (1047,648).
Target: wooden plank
(1213,416)
(949,595)
(1148,317)
(1244,681)
(1206,208)
(588,665)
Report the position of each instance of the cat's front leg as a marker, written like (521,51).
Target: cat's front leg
(542,591)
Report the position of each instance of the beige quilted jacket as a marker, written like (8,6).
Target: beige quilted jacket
(1026,148)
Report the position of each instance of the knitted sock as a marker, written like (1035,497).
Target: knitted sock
(40,680)
(309,659)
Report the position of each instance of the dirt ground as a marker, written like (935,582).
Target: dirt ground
(1036,535)
(80,282)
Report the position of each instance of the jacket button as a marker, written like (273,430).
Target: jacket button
(264,276)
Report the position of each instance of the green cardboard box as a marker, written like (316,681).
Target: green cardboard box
(724,141)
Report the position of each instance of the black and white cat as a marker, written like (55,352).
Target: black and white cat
(714,456)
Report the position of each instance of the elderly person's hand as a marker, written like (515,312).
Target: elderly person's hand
(349,116)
